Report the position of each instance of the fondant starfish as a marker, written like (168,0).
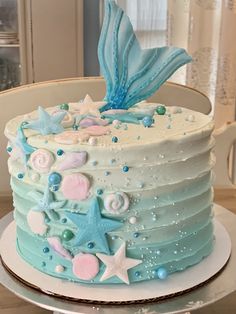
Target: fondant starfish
(46,203)
(47,124)
(118,264)
(89,107)
(21,142)
(92,227)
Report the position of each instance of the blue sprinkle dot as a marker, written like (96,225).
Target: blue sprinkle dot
(94,163)
(45,250)
(75,127)
(147,121)
(107,173)
(64,220)
(9,149)
(161,273)
(90,245)
(99,191)
(115,139)
(125,168)
(60,152)
(54,178)
(55,188)
(20,176)
(136,235)
(43,264)
(137,274)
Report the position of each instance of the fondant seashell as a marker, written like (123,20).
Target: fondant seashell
(36,222)
(41,160)
(68,120)
(97,130)
(71,137)
(85,266)
(73,160)
(56,245)
(75,187)
(90,121)
(116,203)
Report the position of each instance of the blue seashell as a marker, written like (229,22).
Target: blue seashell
(132,74)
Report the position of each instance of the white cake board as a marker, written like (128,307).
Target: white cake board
(140,292)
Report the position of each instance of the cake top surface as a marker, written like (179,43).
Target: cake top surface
(174,124)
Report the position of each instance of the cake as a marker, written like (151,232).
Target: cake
(118,190)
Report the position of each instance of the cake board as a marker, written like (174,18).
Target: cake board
(214,290)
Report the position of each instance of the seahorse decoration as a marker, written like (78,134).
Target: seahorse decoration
(132,74)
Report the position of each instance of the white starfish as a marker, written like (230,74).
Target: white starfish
(118,264)
(90,107)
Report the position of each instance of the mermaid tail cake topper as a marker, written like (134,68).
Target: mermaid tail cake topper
(132,74)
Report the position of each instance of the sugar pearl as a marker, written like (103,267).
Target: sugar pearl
(116,122)
(59,269)
(93,141)
(133,220)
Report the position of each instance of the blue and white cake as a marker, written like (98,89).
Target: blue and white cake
(118,190)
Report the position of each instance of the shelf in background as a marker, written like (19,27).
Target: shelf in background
(10,46)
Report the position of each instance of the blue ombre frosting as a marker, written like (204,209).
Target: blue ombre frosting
(105,193)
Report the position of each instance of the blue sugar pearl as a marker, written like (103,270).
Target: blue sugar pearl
(9,149)
(75,127)
(64,220)
(161,273)
(147,121)
(161,110)
(55,188)
(60,152)
(20,176)
(125,168)
(99,191)
(107,173)
(115,139)
(90,245)
(136,235)
(54,178)
(45,250)
(137,274)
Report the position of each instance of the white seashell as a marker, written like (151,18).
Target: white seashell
(116,203)
(133,220)
(41,160)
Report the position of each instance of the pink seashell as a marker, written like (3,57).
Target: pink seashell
(97,130)
(55,243)
(75,187)
(73,160)
(87,122)
(41,160)
(71,137)
(85,266)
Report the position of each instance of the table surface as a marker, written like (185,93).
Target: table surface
(9,303)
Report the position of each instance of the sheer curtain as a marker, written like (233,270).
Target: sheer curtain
(206,29)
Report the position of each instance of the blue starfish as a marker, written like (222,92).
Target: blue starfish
(92,227)
(46,203)
(21,142)
(47,124)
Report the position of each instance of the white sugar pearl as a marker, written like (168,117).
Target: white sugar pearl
(116,122)
(132,220)
(59,269)
(190,118)
(93,141)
